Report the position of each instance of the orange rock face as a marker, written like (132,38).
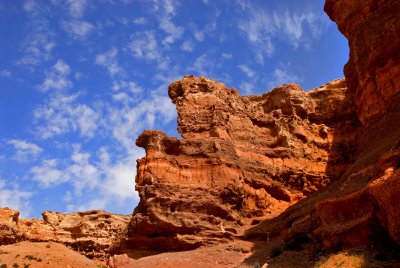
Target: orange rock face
(91,233)
(240,158)
(362,207)
(373,70)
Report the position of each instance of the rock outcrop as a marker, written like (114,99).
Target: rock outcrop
(362,207)
(373,70)
(244,159)
(92,233)
(240,159)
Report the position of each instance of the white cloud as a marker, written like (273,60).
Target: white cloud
(109,60)
(15,198)
(174,32)
(227,56)
(57,77)
(144,46)
(29,5)
(283,75)
(113,183)
(293,25)
(37,48)
(247,71)
(129,121)
(246,87)
(167,7)
(38,41)
(140,21)
(264,28)
(62,114)
(76,8)
(187,46)
(25,151)
(77,29)
(48,174)
(203,65)
(79,171)
(199,35)
(5,73)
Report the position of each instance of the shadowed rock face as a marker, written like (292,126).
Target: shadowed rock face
(92,233)
(373,70)
(362,207)
(241,158)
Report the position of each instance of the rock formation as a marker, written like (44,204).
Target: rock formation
(362,207)
(371,26)
(246,158)
(92,233)
(321,165)
(240,159)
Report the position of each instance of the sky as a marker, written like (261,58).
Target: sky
(81,79)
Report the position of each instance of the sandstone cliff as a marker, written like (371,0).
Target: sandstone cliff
(241,159)
(362,207)
(91,233)
(371,27)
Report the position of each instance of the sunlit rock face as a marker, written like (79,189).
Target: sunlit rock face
(373,70)
(91,233)
(240,158)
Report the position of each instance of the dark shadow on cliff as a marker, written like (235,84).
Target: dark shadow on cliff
(348,160)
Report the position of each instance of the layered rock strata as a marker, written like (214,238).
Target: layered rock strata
(371,27)
(92,233)
(240,159)
(362,207)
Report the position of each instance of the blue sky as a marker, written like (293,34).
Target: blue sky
(80,80)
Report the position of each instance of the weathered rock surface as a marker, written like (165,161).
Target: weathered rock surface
(362,207)
(92,233)
(241,158)
(373,70)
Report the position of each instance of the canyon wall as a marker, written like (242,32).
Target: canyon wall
(245,159)
(241,159)
(91,233)
(362,207)
(371,27)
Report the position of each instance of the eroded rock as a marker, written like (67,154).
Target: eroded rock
(240,158)
(92,233)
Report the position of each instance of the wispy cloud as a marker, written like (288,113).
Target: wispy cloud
(5,73)
(109,60)
(57,77)
(77,29)
(264,29)
(39,41)
(76,8)
(62,114)
(187,46)
(48,174)
(247,71)
(79,171)
(173,32)
(283,75)
(144,46)
(24,151)
(109,180)
(140,21)
(12,196)
(37,48)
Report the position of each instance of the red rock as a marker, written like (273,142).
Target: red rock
(373,70)
(240,158)
(361,208)
(92,233)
